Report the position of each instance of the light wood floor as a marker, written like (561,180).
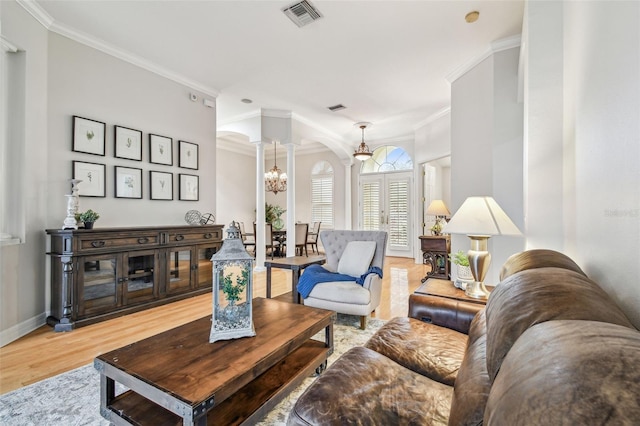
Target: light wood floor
(43,353)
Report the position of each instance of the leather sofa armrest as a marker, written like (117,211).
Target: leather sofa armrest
(449,313)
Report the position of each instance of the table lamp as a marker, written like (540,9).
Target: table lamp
(438,209)
(480,218)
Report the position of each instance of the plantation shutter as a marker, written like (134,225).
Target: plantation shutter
(322,201)
(398,226)
(371,208)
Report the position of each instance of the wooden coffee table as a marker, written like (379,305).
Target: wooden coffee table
(178,377)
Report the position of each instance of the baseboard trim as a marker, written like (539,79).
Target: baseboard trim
(17,331)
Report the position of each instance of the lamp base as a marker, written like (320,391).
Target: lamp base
(477,290)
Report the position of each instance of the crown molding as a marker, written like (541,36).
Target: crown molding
(433,117)
(275,113)
(247,149)
(315,126)
(495,47)
(37,12)
(7,46)
(49,23)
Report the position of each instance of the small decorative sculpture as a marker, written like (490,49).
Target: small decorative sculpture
(232,289)
(72,206)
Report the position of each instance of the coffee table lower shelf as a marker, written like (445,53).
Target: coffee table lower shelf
(248,405)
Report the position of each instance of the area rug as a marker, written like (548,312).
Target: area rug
(73,398)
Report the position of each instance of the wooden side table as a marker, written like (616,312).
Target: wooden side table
(435,252)
(445,288)
(296,265)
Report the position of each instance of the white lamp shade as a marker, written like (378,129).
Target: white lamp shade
(438,208)
(481,216)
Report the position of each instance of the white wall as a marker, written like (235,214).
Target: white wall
(597,184)
(22,267)
(65,78)
(91,84)
(486,147)
(236,188)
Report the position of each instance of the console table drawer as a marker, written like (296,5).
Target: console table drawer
(195,236)
(95,242)
(440,243)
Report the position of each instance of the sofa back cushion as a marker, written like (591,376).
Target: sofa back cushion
(537,258)
(537,295)
(569,372)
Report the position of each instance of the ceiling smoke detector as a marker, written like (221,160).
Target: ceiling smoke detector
(302,13)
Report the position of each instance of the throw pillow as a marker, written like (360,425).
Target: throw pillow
(356,258)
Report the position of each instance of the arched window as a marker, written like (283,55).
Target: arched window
(322,194)
(387,159)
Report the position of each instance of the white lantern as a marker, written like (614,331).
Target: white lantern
(232,289)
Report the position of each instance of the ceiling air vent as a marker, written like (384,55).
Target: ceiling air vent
(302,13)
(336,107)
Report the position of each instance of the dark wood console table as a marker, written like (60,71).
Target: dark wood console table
(435,252)
(98,274)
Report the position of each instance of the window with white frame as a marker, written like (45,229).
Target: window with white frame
(322,194)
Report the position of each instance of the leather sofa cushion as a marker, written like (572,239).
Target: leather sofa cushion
(537,295)
(433,351)
(538,258)
(472,386)
(364,387)
(569,372)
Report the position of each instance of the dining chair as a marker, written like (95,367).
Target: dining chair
(270,243)
(248,240)
(302,233)
(312,237)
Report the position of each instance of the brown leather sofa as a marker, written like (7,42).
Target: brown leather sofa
(551,347)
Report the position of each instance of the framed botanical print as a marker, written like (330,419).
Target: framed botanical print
(188,155)
(128,182)
(188,187)
(161,185)
(88,136)
(160,150)
(128,143)
(92,176)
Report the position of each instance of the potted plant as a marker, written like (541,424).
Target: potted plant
(272,215)
(88,218)
(464,275)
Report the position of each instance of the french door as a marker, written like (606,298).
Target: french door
(385,205)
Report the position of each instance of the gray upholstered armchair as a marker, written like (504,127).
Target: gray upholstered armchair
(349,297)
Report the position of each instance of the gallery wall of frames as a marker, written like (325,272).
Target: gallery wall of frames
(153,180)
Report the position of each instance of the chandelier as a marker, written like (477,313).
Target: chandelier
(275,180)
(362,153)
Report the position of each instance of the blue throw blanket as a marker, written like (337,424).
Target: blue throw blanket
(315,274)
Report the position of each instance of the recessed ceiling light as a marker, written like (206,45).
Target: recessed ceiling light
(472,17)
(246,101)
